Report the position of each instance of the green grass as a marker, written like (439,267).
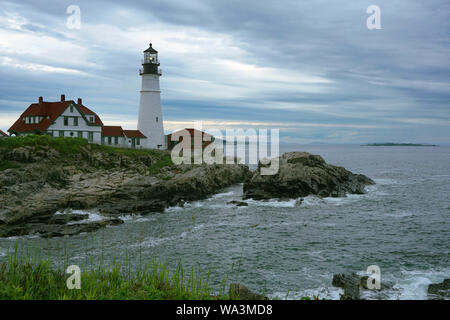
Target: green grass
(33,278)
(5,164)
(164,161)
(70,145)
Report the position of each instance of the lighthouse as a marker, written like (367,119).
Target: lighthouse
(150,121)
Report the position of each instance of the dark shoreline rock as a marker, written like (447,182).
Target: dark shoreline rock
(301,174)
(439,291)
(238,203)
(112,184)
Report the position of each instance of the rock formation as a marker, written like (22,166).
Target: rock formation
(301,174)
(112,183)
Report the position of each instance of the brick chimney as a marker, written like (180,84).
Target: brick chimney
(63,97)
(79,101)
(41,100)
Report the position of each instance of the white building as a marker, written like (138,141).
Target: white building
(150,121)
(65,118)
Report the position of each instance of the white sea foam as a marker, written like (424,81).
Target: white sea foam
(274,203)
(413,284)
(92,217)
(222,195)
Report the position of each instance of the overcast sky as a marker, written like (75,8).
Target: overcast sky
(311,68)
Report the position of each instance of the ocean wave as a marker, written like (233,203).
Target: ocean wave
(413,284)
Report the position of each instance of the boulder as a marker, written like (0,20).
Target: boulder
(350,283)
(301,174)
(439,291)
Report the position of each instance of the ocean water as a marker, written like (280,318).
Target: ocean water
(402,224)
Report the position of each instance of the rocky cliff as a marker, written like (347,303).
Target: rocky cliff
(301,174)
(44,179)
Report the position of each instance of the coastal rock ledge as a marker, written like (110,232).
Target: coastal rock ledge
(301,174)
(48,182)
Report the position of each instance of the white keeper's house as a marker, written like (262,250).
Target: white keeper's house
(65,118)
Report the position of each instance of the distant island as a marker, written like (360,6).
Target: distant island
(392,144)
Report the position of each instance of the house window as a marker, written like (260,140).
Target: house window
(71,134)
(71,108)
(66,121)
(109,140)
(138,140)
(92,119)
(156,119)
(80,134)
(75,121)
(61,133)
(90,136)
(116,140)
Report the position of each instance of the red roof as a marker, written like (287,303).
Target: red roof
(3,134)
(134,134)
(52,110)
(112,131)
(89,112)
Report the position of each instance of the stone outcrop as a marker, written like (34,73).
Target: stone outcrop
(113,184)
(301,174)
(439,291)
(238,203)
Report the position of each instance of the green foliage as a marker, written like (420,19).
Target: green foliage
(5,164)
(63,145)
(33,278)
(163,161)
(68,145)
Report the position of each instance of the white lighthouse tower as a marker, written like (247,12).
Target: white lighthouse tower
(150,121)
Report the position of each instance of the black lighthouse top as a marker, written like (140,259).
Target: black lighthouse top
(151,50)
(150,62)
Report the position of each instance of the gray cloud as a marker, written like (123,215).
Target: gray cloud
(394,77)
